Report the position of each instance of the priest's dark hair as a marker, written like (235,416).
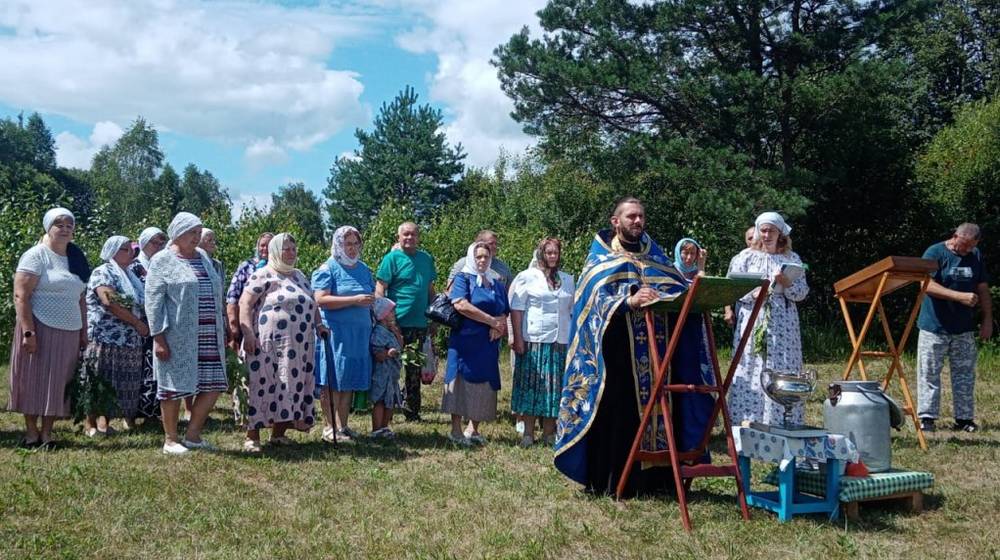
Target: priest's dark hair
(628,199)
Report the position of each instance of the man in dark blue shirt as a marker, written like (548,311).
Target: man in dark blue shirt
(947,326)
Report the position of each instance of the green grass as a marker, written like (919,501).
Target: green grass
(420,497)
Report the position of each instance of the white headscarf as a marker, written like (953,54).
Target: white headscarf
(382,307)
(337,247)
(482,279)
(147,235)
(775,220)
(274,254)
(131,285)
(54,214)
(182,223)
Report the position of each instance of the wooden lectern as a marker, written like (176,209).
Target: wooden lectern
(703,295)
(869,285)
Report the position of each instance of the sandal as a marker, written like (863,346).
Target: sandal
(330,435)
(251,446)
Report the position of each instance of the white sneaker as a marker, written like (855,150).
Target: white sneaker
(203,445)
(174,448)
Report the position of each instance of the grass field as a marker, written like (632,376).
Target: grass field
(422,498)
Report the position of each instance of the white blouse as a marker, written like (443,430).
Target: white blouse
(546,311)
(56,299)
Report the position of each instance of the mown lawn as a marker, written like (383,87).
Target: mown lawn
(420,497)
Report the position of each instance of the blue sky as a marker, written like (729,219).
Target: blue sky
(258,93)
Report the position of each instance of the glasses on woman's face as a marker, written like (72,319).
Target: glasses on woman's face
(352,244)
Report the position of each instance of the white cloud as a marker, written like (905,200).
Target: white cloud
(245,72)
(73,151)
(264,152)
(478,112)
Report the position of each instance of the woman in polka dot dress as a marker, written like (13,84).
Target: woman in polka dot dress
(279,320)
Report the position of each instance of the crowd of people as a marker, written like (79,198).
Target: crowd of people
(157,317)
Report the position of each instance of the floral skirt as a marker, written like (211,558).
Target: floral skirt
(122,366)
(538,379)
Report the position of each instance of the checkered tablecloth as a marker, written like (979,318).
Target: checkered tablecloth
(853,488)
(765,446)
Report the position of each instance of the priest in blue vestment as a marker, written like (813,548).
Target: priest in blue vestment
(609,374)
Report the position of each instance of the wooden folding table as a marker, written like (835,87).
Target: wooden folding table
(702,296)
(869,285)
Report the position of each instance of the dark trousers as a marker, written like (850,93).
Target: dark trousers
(412,381)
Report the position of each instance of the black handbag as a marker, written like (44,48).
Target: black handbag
(443,311)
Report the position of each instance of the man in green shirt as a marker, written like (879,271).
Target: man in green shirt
(406,276)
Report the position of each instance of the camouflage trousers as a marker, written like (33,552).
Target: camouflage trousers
(960,349)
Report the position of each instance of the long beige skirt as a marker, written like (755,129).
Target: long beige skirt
(475,401)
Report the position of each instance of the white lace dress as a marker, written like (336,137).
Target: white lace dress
(747,400)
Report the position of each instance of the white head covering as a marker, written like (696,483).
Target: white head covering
(182,223)
(383,306)
(147,235)
(205,231)
(54,214)
(131,285)
(112,245)
(775,220)
(337,247)
(482,279)
(274,254)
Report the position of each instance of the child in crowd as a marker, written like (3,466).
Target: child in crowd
(387,350)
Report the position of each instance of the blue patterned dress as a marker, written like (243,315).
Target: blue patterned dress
(344,361)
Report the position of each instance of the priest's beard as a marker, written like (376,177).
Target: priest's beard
(627,236)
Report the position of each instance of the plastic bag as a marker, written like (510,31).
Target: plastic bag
(429,369)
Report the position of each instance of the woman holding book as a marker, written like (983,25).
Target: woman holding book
(776,344)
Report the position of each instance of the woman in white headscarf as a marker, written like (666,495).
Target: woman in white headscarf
(209,243)
(778,344)
(472,379)
(279,321)
(152,240)
(541,302)
(344,290)
(117,329)
(49,330)
(184,304)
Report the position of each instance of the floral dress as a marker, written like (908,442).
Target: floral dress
(115,346)
(281,368)
(747,400)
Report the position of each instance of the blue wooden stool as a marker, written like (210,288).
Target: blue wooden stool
(785,450)
(787,501)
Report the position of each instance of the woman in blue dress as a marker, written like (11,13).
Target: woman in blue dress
(472,379)
(343,287)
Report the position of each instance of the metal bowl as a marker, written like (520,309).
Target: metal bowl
(788,389)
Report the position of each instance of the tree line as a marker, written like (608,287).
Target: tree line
(873,126)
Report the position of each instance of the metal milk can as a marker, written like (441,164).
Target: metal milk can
(861,411)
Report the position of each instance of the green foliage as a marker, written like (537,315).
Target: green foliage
(124,175)
(405,157)
(960,172)
(237,241)
(304,206)
(200,192)
(89,392)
